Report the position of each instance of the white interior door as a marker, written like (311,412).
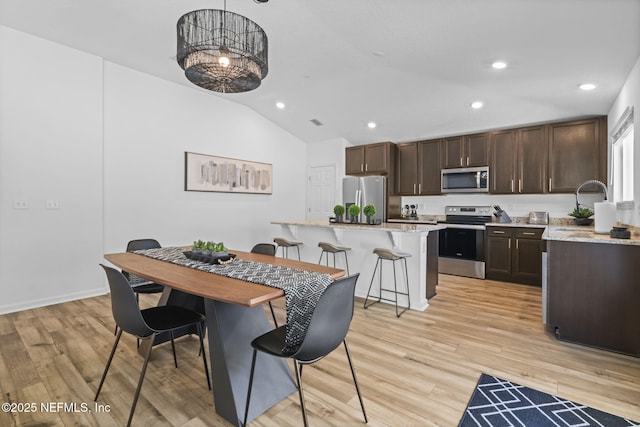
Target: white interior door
(321,194)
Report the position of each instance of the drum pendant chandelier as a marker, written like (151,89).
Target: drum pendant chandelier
(222,51)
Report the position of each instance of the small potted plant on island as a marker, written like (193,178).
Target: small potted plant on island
(582,216)
(354,212)
(338,211)
(369,211)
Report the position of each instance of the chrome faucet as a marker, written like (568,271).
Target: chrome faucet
(591,181)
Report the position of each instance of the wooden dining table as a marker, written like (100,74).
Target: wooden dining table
(235,315)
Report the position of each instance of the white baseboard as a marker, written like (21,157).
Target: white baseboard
(26,305)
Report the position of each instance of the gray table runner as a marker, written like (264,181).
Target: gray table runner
(302,288)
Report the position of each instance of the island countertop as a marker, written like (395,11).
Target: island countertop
(385,226)
(586,234)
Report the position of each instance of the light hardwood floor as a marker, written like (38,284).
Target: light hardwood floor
(418,370)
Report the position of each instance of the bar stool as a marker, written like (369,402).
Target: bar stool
(285,245)
(328,248)
(391,255)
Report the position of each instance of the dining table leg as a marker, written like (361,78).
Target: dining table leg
(231,328)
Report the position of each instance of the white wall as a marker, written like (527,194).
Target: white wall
(108,143)
(50,149)
(149,124)
(630,96)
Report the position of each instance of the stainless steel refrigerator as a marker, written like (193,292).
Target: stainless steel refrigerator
(363,191)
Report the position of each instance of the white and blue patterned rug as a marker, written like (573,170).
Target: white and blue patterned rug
(499,403)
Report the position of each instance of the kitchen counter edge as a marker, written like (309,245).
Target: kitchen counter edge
(386,226)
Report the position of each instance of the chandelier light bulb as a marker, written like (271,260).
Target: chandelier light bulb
(224,61)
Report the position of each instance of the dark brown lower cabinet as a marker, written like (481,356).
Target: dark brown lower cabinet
(514,254)
(593,294)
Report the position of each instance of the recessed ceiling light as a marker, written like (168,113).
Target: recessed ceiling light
(587,86)
(499,65)
(477,104)
(280,105)
(371,125)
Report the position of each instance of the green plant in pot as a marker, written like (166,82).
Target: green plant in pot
(354,212)
(582,216)
(338,211)
(369,211)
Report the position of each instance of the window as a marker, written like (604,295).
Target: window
(622,158)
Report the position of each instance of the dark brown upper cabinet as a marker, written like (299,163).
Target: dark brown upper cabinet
(577,153)
(466,151)
(419,167)
(369,159)
(519,161)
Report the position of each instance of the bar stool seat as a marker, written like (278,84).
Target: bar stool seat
(285,245)
(330,248)
(393,256)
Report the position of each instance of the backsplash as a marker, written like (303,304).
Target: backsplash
(517,206)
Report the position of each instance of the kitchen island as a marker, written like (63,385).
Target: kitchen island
(420,240)
(592,288)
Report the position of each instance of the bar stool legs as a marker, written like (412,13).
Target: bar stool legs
(285,245)
(330,248)
(393,256)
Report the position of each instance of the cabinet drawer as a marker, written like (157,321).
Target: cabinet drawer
(529,233)
(499,232)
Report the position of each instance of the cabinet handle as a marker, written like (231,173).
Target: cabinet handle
(498,232)
(361,167)
(366,167)
(420,188)
(517,245)
(519,186)
(509,243)
(549,184)
(529,234)
(461,164)
(467,160)
(512,185)
(414,188)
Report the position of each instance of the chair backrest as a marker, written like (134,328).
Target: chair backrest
(330,320)
(265,249)
(124,306)
(136,245)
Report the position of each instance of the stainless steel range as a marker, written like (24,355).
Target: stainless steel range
(461,251)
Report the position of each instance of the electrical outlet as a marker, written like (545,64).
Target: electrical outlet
(52,204)
(20,204)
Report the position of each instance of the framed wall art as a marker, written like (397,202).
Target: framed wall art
(221,174)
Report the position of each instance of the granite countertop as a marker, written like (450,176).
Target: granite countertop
(586,234)
(398,227)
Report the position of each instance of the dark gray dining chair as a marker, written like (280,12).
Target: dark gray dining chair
(145,325)
(327,329)
(267,249)
(140,285)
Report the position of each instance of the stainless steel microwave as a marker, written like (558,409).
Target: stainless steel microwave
(465,180)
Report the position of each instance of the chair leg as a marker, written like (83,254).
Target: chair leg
(273,314)
(346,262)
(253,367)
(320,260)
(106,368)
(379,261)
(173,348)
(355,380)
(142,372)
(298,248)
(301,393)
(406,278)
(395,287)
(204,355)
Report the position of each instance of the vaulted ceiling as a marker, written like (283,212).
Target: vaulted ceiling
(412,66)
